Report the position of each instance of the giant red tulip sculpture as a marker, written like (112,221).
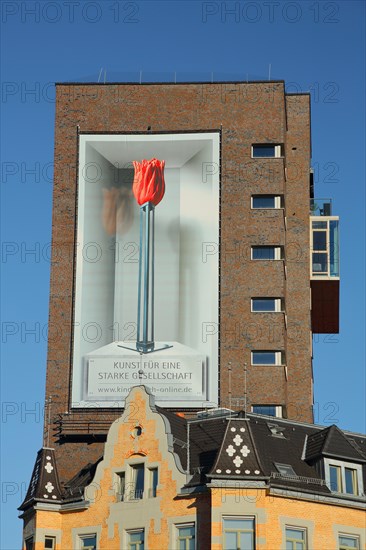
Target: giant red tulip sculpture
(148,188)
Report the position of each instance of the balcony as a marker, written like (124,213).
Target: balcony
(320,207)
(324,267)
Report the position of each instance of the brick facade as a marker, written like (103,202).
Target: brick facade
(99,510)
(244,113)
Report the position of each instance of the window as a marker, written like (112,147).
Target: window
(50,543)
(325,248)
(267,201)
(266,358)
(267,150)
(239,533)
(154,480)
(88,542)
(269,410)
(348,542)
(121,486)
(343,477)
(295,538)
(29,544)
(267,253)
(138,481)
(350,479)
(266,305)
(285,469)
(335,474)
(136,539)
(186,537)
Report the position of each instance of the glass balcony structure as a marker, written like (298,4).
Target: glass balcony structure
(324,266)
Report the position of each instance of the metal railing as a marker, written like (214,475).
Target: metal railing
(320,207)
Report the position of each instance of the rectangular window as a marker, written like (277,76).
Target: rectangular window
(343,477)
(350,480)
(266,201)
(121,486)
(285,469)
(29,544)
(136,539)
(50,543)
(186,537)
(153,482)
(138,480)
(266,357)
(267,150)
(269,410)
(348,542)
(266,305)
(88,542)
(267,252)
(295,539)
(325,248)
(239,533)
(335,475)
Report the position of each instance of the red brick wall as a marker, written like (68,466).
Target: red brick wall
(247,113)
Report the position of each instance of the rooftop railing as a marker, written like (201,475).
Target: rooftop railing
(320,207)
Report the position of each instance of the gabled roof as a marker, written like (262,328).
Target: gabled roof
(332,442)
(240,447)
(44,485)
(74,488)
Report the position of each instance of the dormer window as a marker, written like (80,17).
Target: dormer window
(343,477)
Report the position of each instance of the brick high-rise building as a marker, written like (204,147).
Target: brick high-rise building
(246,259)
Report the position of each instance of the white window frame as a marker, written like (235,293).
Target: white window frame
(353,537)
(278,358)
(84,536)
(277,302)
(343,465)
(231,517)
(130,532)
(178,526)
(121,492)
(279,409)
(278,150)
(133,478)
(150,490)
(278,253)
(322,275)
(300,529)
(278,201)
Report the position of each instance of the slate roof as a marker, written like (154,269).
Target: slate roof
(332,442)
(44,485)
(237,447)
(238,455)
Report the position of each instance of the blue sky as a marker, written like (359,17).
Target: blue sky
(316,46)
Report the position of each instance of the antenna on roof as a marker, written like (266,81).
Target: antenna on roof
(269,71)
(140,76)
(188,449)
(229,369)
(48,406)
(245,390)
(105,75)
(100,74)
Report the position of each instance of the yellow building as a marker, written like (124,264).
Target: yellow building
(222,480)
